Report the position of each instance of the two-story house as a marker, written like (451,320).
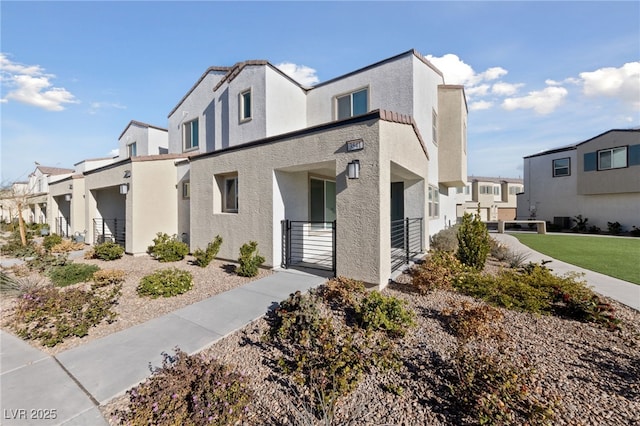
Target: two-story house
(598,178)
(38,191)
(495,198)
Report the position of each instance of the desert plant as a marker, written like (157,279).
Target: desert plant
(51,315)
(445,240)
(17,286)
(386,313)
(635,231)
(105,277)
(168,249)
(165,283)
(188,390)
(43,263)
(614,228)
(204,257)
(342,291)
(473,241)
(66,246)
(71,273)
(469,321)
(51,240)
(107,251)
(439,270)
(250,260)
(580,223)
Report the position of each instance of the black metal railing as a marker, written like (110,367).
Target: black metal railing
(406,241)
(62,226)
(309,244)
(109,230)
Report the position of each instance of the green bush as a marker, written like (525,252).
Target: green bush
(386,313)
(165,283)
(474,243)
(204,257)
(296,319)
(614,228)
(51,240)
(43,263)
(249,260)
(13,246)
(168,249)
(188,390)
(71,273)
(50,314)
(445,240)
(108,251)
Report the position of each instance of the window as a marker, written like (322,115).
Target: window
(245,105)
(513,190)
(322,200)
(434,202)
(132,149)
(186,189)
(496,190)
(434,127)
(561,167)
(614,158)
(190,136)
(230,202)
(486,189)
(354,103)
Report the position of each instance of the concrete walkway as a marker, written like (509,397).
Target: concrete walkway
(73,384)
(622,291)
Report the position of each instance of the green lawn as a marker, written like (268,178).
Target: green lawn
(616,257)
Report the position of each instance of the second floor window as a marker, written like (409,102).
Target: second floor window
(245,105)
(132,149)
(351,104)
(190,135)
(561,167)
(614,158)
(486,189)
(434,127)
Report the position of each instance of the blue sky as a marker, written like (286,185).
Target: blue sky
(537,75)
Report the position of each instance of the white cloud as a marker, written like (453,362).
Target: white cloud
(543,101)
(29,84)
(505,89)
(493,73)
(114,152)
(622,83)
(96,106)
(300,73)
(480,105)
(480,90)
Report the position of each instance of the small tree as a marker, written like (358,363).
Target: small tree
(474,243)
(249,260)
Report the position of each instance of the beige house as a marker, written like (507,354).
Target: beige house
(38,191)
(10,200)
(495,197)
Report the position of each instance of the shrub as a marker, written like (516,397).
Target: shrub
(66,246)
(473,242)
(71,273)
(580,223)
(51,315)
(17,286)
(108,251)
(249,260)
(439,270)
(107,277)
(204,257)
(43,263)
(188,390)
(445,240)
(13,246)
(386,313)
(342,291)
(296,319)
(468,321)
(168,249)
(51,240)
(635,231)
(614,228)
(165,283)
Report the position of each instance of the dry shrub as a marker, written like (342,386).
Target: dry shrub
(438,271)
(65,246)
(106,277)
(342,291)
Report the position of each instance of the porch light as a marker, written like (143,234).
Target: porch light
(124,188)
(353,169)
(67,197)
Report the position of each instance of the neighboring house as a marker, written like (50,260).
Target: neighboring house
(495,197)
(598,179)
(38,191)
(321,176)
(10,199)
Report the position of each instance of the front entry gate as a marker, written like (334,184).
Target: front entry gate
(406,241)
(309,245)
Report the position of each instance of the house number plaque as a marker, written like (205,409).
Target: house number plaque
(355,145)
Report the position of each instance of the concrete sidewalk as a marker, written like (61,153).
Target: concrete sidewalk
(622,291)
(76,381)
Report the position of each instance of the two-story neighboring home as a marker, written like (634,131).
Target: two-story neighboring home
(495,197)
(351,175)
(11,199)
(598,179)
(38,190)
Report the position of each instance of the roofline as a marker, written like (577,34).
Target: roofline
(141,124)
(95,159)
(138,159)
(207,72)
(372,115)
(575,146)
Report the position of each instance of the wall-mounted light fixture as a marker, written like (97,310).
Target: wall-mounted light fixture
(353,169)
(124,188)
(67,197)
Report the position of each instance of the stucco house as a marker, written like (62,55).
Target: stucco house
(598,178)
(341,175)
(38,191)
(11,198)
(496,197)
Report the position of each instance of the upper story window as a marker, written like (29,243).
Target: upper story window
(496,190)
(354,103)
(434,127)
(486,189)
(561,167)
(434,202)
(513,190)
(245,105)
(39,185)
(132,149)
(614,158)
(190,135)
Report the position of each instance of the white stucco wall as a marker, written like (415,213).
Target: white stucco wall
(286,104)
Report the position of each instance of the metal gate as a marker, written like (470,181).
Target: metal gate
(109,230)
(309,245)
(406,241)
(62,226)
